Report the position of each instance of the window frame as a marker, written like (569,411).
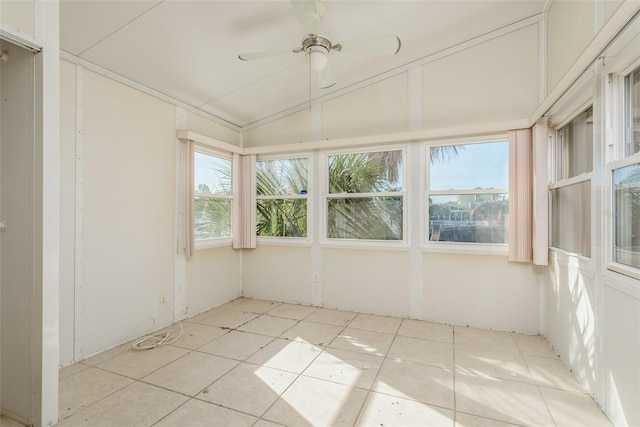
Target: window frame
(284,240)
(326,241)
(558,182)
(625,102)
(459,247)
(214,242)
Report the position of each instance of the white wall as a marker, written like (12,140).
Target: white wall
(570,28)
(493,81)
(293,128)
(19,15)
(481,290)
(118,249)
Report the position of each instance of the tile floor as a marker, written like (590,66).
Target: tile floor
(260,363)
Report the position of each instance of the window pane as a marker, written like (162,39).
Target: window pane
(375,218)
(632,125)
(212,174)
(475,218)
(365,172)
(212,218)
(575,146)
(281,177)
(282,218)
(469,166)
(626,194)
(571,218)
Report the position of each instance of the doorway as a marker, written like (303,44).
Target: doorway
(18,235)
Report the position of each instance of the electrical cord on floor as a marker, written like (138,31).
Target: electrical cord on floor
(158,339)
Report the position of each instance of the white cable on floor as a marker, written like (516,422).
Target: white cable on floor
(150,341)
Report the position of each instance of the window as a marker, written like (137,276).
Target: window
(626,223)
(574,152)
(632,112)
(213,196)
(467,192)
(365,197)
(570,195)
(282,187)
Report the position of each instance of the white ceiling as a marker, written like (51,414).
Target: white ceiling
(189,49)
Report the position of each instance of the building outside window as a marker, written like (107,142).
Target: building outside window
(467,193)
(365,197)
(213,196)
(282,190)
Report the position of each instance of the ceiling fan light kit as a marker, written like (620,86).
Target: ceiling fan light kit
(317,48)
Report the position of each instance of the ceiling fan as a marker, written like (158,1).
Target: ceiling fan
(317,47)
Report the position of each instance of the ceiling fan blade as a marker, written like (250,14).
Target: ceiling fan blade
(309,14)
(375,45)
(325,78)
(267,54)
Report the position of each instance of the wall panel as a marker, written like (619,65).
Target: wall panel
(67,208)
(278,273)
(570,28)
(290,129)
(211,129)
(128,215)
(622,348)
(18,14)
(494,81)
(369,281)
(373,110)
(481,291)
(212,278)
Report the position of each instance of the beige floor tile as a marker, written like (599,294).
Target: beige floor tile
(190,374)
(507,401)
(314,402)
(314,333)
(573,409)
(5,421)
(485,338)
(137,364)
(553,373)
(371,322)
(87,387)
(248,388)
(384,410)
(136,405)
(426,330)
(265,423)
(196,413)
(468,420)
(292,311)
(487,363)
(108,354)
(534,345)
(254,305)
(331,317)
(67,371)
(268,325)
(229,319)
(369,342)
(198,318)
(292,356)
(236,345)
(196,335)
(345,367)
(426,352)
(427,384)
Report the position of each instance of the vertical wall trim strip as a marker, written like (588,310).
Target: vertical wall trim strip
(415,193)
(180,308)
(79,237)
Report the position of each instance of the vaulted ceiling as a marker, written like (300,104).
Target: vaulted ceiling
(189,49)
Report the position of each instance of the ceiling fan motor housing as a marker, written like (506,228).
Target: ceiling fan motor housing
(312,42)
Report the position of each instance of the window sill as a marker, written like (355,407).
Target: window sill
(377,245)
(467,248)
(213,243)
(283,241)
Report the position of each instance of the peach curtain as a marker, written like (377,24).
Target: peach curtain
(244,233)
(520,195)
